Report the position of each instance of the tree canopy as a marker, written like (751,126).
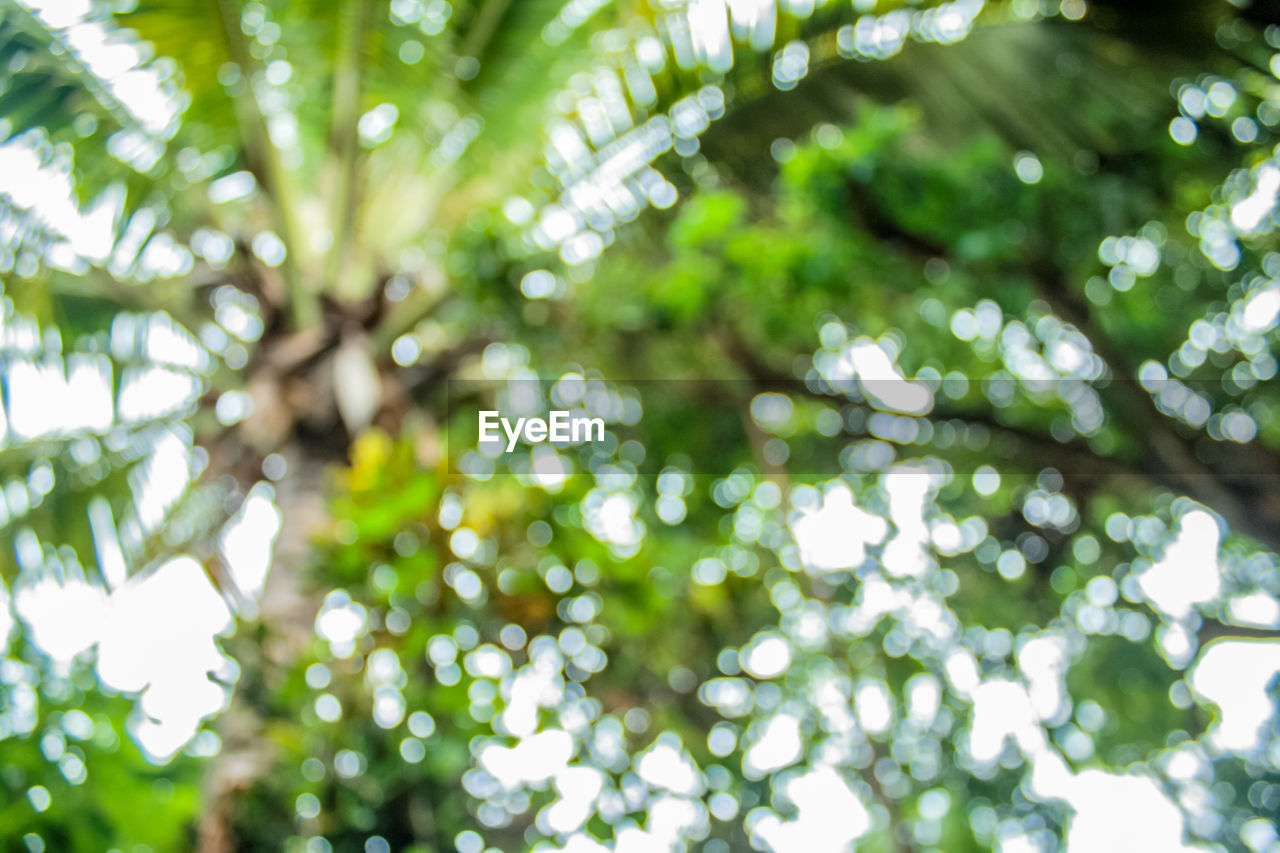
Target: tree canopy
(935,343)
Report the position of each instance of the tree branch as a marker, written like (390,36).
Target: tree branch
(1075,456)
(1214,629)
(1171,459)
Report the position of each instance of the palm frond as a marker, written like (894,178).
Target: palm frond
(47,86)
(97,422)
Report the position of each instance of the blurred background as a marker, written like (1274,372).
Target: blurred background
(936,342)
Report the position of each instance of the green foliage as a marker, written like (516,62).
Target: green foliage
(341,230)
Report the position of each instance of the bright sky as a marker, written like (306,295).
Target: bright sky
(1118,812)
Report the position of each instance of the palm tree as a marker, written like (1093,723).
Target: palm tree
(296,219)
